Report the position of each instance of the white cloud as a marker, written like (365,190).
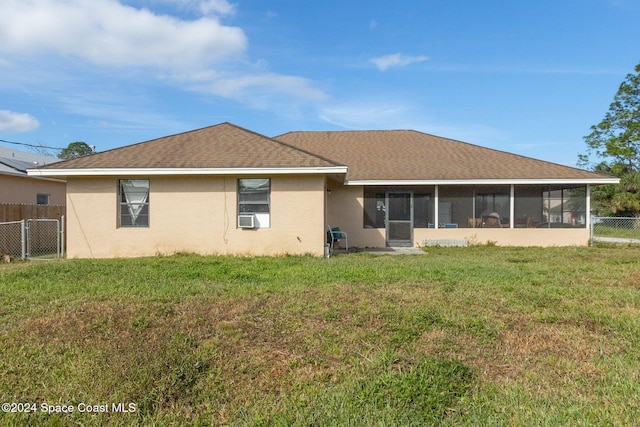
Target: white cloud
(17,122)
(205,7)
(383,114)
(369,115)
(260,85)
(108,33)
(221,7)
(395,60)
(121,45)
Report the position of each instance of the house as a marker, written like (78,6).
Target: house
(16,187)
(227,190)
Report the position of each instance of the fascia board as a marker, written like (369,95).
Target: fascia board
(25,176)
(607,180)
(185,171)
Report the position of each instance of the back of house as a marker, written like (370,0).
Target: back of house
(227,190)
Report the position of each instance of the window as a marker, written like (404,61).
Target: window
(374,208)
(134,203)
(42,199)
(254,197)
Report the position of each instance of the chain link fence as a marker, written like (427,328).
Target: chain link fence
(33,239)
(13,239)
(43,238)
(615,229)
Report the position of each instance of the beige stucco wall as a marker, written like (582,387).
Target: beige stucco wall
(24,190)
(195,214)
(345,209)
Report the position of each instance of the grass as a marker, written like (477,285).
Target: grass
(460,336)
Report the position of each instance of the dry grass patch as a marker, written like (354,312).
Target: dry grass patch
(546,353)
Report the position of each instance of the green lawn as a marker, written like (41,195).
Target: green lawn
(460,336)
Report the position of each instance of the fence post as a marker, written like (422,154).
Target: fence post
(23,238)
(61,235)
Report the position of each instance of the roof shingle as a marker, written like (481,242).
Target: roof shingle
(220,146)
(410,155)
(388,155)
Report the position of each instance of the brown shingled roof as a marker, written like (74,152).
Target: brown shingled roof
(220,146)
(411,155)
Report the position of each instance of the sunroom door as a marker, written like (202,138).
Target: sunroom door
(399,219)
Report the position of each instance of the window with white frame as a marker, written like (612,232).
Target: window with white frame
(254,198)
(134,203)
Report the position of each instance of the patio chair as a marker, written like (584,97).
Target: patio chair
(491,220)
(335,235)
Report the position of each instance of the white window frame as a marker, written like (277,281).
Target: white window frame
(249,207)
(134,203)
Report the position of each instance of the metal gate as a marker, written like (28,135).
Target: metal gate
(36,239)
(44,238)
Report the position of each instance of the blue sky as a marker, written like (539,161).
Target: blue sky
(529,77)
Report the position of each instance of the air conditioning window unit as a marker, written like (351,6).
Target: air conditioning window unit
(246,221)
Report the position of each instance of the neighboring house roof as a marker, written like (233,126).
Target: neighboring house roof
(406,156)
(15,162)
(223,148)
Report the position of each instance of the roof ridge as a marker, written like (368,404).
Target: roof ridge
(326,159)
(225,144)
(159,138)
(219,125)
(273,139)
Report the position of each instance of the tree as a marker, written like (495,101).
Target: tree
(616,140)
(75,149)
